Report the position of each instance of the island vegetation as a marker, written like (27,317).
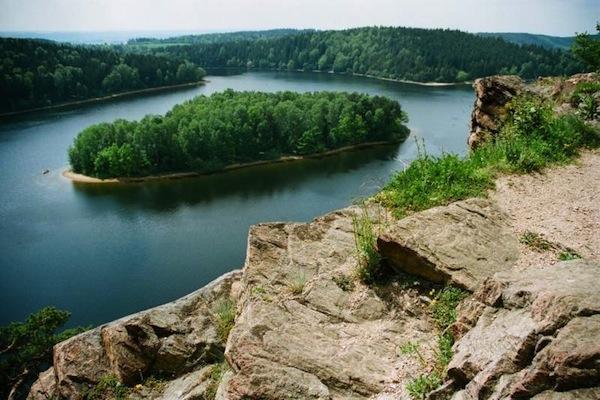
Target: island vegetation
(40,73)
(209,133)
(424,55)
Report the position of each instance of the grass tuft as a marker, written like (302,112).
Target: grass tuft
(365,239)
(297,283)
(216,374)
(224,316)
(108,387)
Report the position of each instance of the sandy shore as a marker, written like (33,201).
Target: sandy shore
(79,178)
(104,98)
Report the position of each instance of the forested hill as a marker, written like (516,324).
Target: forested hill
(550,42)
(207,38)
(399,53)
(37,73)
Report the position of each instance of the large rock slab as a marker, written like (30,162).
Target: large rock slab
(460,244)
(537,332)
(170,340)
(317,340)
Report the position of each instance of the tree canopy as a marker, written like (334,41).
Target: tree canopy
(587,48)
(36,73)
(208,133)
(389,52)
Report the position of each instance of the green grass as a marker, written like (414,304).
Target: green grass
(536,242)
(531,139)
(224,316)
(108,387)
(365,239)
(297,283)
(568,255)
(216,374)
(443,312)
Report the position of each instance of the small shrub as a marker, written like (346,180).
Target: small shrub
(583,89)
(216,374)
(297,283)
(536,241)
(443,307)
(108,387)
(568,255)
(365,239)
(344,282)
(418,388)
(588,107)
(224,315)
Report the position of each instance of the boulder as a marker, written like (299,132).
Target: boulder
(459,244)
(537,332)
(492,94)
(44,387)
(168,340)
(300,335)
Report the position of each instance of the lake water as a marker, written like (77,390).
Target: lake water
(102,252)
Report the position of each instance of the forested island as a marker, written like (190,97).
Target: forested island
(424,55)
(209,133)
(40,73)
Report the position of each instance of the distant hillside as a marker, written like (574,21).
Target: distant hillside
(549,42)
(207,38)
(439,55)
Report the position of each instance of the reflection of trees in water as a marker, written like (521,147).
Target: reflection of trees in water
(265,180)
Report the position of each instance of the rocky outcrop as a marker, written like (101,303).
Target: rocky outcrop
(491,96)
(166,341)
(460,244)
(299,334)
(536,333)
(493,93)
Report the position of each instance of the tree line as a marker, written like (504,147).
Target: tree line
(208,133)
(439,55)
(37,73)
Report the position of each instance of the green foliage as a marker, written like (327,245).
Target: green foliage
(36,73)
(208,133)
(418,388)
(387,52)
(26,347)
(297,283)
(531,139)
(536,241)
(587,48)
(224,316)
(216,374)
(568,255)
(344,282)
(108,387)
(443,307)
(365,239)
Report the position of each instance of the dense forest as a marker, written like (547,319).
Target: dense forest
(37,73)
(208,133)
(223,37)
(398,53)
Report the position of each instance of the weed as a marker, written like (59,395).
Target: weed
(365,239)
(224,315)
(344,282)
(443,307)
(297,283)
(108,387)
(216,374)
(418,388)
(536,241)
(568,254)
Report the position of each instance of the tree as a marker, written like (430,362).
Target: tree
(26,347)
(587,49)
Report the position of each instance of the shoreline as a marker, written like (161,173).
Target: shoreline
(428,84)
(80,178)
(103,98)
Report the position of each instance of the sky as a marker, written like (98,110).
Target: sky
(552,17)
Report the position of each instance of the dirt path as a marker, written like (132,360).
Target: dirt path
(562,204)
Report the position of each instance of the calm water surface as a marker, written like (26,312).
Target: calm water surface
(106,251)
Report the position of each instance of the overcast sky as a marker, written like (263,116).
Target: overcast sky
(554,17)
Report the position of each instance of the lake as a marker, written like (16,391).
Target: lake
(105,251)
